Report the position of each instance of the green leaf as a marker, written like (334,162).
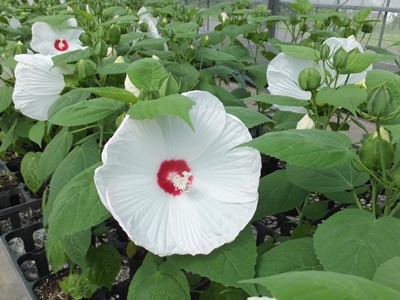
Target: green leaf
(327,180)
(278,100)
(358,62)
(186,74)
(248,116)
(29,170)
(55,250)
(114,93)
(257,75)
(85,112)
(150,43)
(52,20)
(388,273)
(292,255)
(348,97)
(36,132)
(215,55)
(113,68)
(158,282)
(54,153)
(317,285)
(217,291)
(174,105)
(69,98)
(227,265)
(145,74)
(363,14)
(354,242)
(121,20)
(78,160)
(300,51)
(278,194)
(315,210)
(308,148)
(102,265)
(71,56)
(76,246)
(78,206)
(78,286)
(9,138)
(5,97)
(302,6)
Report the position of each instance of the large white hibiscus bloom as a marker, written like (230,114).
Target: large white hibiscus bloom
(178,191)
(37,84)
(51,40)
(283,72)
(145,16)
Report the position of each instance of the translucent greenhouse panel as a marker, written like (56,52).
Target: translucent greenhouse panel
(360,3)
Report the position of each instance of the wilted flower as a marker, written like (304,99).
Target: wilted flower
(284,70)
(305,123)
(37,85)
(178,191)
(51,40)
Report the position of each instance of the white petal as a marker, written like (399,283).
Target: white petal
(38,85)
(200,224)
(208,118)
(226,174)
(283,73)
(42,33)
(347,44)
(142,211)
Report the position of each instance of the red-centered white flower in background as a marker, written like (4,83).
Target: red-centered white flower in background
(37,84)
(51,40)
(178,191)
(283,72)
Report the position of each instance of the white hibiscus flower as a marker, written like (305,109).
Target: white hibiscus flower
(178,191)
(51,40)
(145,16)
(37,84)
(283,72)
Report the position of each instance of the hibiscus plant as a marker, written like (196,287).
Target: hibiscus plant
(145,133)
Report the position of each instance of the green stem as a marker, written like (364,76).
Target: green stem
(356,199)
(371,173)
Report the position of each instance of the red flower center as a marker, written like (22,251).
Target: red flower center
(174,176)
(61,45)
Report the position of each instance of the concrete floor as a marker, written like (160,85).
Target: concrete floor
(10,287)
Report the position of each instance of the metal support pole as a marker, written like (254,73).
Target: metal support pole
(273,7)
(383,24)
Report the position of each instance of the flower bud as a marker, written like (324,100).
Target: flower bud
(294,20)
(119,60)
(224,18)
(100,49)
(84,68)
(319,25)
(367,28)
(309,79)
(379,101)
(168,86)
(264,35)
(361,84)
(155,57)
(97,9)
(325,52)
(144,27)
(204,41)
(200,20)
(111,52)
(370,154)
(339,59)
(305,123)
(346,22)
(85,39)
(112,35)
(19,48)
(3,40)
(303,27)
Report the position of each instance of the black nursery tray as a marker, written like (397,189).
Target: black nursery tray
(16,204)
(24,248)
